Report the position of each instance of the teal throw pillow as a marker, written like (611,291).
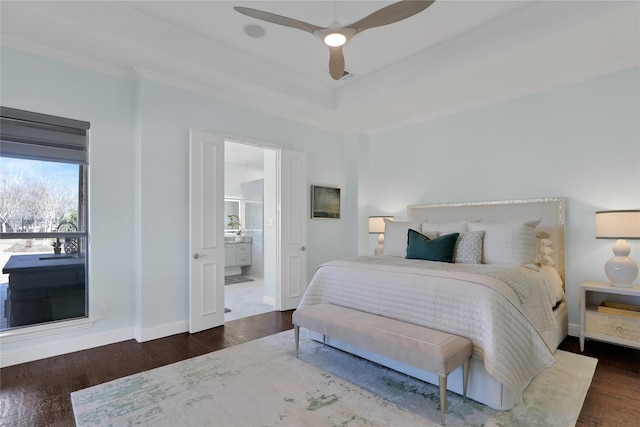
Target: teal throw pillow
(420,246)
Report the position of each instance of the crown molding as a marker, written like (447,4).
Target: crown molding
(65,57)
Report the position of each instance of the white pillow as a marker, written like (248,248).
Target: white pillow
(545,251)
(468,247)
(451,227)
(508,243)
(395,237)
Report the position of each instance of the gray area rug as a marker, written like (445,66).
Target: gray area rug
(232,280)
(261,383)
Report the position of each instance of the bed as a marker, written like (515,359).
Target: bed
(502,287)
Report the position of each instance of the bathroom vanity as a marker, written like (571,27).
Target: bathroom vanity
(237,254)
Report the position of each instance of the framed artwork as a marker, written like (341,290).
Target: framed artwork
(325,202)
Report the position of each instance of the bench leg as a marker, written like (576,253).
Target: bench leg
(465,377)
(443,396)
(296,330)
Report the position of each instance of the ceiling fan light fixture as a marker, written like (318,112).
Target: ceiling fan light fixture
(335,36)
(335,39)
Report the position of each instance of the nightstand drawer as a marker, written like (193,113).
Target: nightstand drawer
(617,326)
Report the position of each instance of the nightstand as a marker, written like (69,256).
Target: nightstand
(608,324)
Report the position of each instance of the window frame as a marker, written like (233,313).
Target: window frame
(41,137)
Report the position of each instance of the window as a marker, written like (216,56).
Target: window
(43,219)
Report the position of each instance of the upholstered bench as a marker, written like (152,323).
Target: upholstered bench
(423,348)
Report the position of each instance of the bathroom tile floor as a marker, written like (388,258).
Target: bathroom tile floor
(245,299)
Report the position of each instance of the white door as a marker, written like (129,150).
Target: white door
(206,235)
(293,230)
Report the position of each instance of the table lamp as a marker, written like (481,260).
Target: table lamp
(376,226)
(621,270)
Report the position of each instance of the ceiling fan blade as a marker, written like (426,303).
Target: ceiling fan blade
(336,62)
(277,19)
(393,13)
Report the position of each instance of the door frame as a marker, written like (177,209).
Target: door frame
(297,174)
(285,252)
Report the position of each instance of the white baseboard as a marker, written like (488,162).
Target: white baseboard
(574,329)
(161,331)
(37,352)
(84,342)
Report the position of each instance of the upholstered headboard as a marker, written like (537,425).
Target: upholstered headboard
(551,210)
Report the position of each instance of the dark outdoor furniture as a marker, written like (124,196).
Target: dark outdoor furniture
(44,288)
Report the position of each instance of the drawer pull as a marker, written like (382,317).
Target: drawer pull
(619,328)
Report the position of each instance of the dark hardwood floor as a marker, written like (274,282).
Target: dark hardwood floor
(614,396)
(37,393)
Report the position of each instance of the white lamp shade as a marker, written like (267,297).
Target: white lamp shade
(620,225)
(376,224)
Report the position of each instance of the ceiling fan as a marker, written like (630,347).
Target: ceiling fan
(335,36)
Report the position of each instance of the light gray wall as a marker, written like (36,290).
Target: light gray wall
(138,271)
(31,83)
(234,176)
(253,191)
(167,114)
(580,141)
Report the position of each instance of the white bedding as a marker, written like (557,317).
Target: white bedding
(501,309)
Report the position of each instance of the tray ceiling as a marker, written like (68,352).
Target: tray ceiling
(453,56)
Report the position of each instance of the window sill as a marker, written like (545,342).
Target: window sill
(45,330)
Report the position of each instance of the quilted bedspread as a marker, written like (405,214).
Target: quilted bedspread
(501,309)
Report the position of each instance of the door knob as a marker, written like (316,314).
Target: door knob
(303,248)
(197,255)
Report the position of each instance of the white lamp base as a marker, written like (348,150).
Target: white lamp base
(621,270)
(380,248)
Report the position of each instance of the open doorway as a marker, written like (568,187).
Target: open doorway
(284,228)
(250,236)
